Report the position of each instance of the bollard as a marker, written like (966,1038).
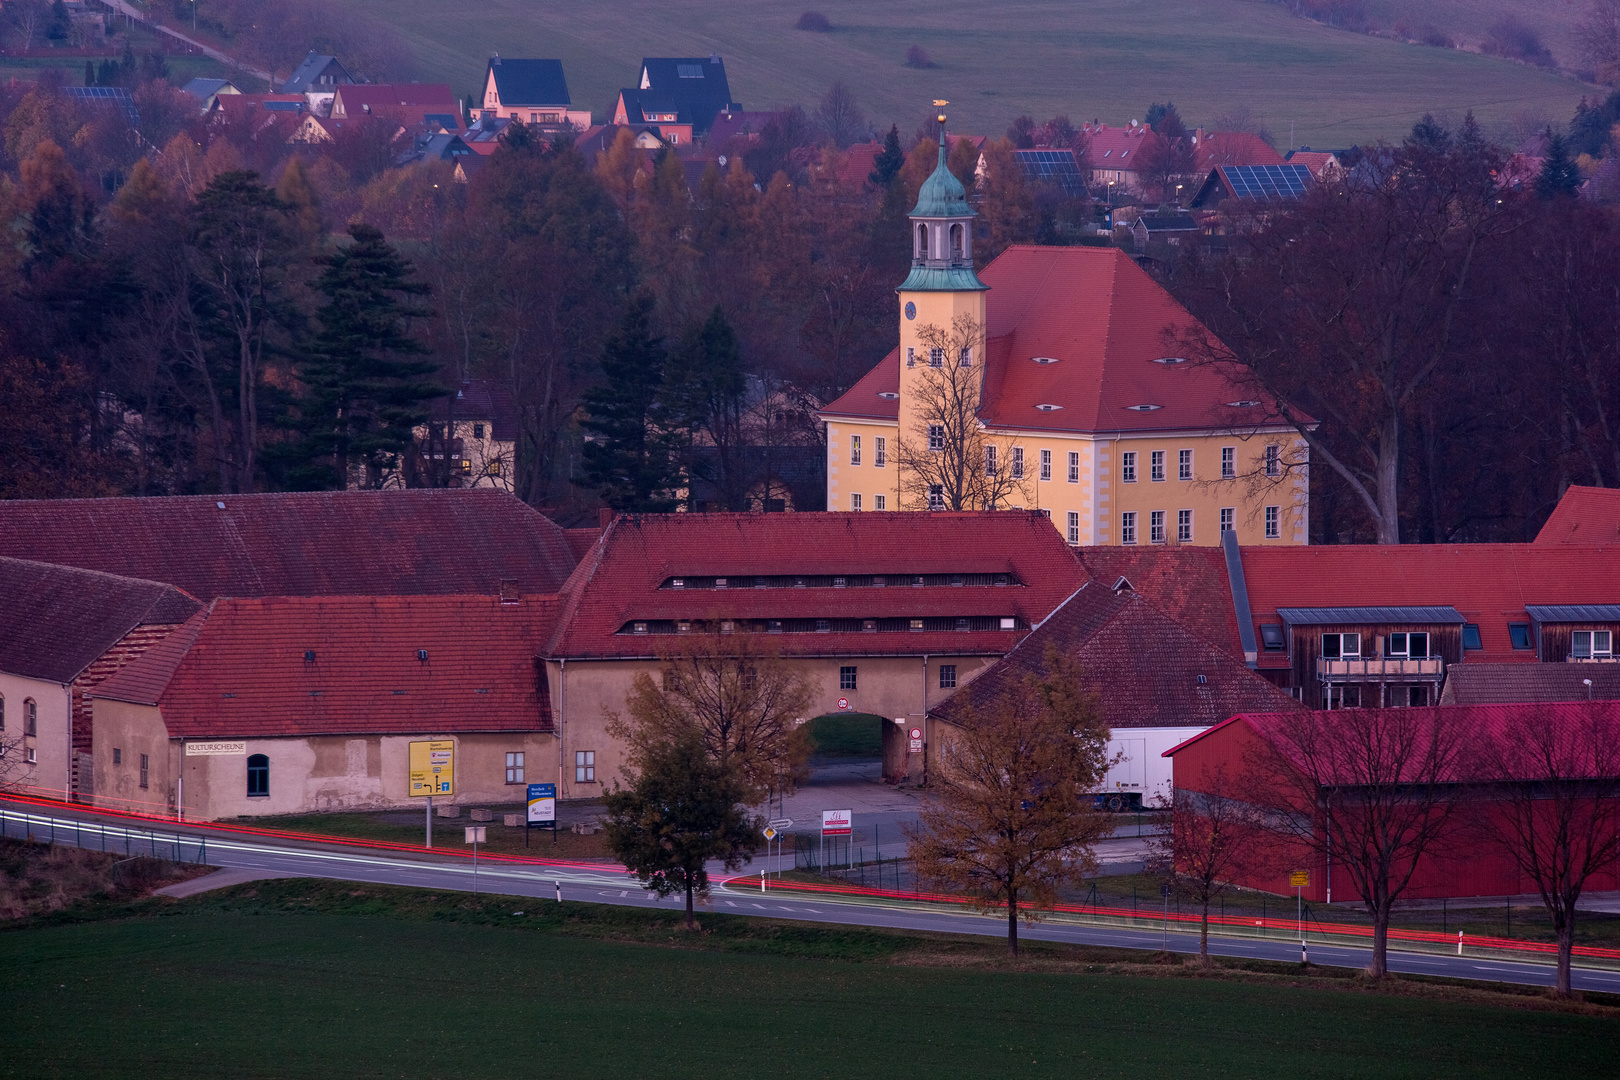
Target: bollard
(1304,953)
(1459,943)
(762,881)
(559,891)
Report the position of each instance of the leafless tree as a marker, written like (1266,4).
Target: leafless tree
(948,460)
(1209,839)
(1599,35)
(15,768)
(1551,800)
(840,117)
(1370,791)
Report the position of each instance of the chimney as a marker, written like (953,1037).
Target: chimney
(604,517)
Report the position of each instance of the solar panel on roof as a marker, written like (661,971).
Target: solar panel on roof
(106,95)
(1266,182)
(1053,166)
(689,71)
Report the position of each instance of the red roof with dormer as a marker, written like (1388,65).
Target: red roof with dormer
(1109,147)
(812,576)
(1081,339)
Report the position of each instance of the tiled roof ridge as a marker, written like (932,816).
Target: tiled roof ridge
(101,574)
(572,593)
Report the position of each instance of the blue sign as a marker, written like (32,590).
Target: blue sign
(542,803)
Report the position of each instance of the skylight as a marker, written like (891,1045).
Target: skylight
(1044,359)
(1048,408)
(1144,408)
(1241,404)
(1171,360)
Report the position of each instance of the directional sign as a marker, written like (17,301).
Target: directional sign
(475,834)
(432,767)
(781,823)
(770,833)
(1299,879)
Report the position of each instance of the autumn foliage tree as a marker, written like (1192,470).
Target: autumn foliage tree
(1014,819)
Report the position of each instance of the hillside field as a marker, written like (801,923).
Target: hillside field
(1104,59)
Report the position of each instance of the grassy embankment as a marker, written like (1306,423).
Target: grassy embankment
(300,978)
(1106,59)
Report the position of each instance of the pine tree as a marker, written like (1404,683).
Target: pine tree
(707,391)
(630,455)
(365,391)
(1559,175)
(886,166)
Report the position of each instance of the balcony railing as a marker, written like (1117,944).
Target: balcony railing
(1379,668)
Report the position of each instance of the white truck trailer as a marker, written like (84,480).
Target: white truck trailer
(1141,776)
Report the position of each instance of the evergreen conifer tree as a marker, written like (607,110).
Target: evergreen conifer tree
(708,390)
(1559,175)
(365,386)
(631,458)
(886,166)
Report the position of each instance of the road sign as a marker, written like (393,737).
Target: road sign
(770,833)
(475,834)
(1299,879)
(781,823)
(433,768)
(542,803)
(1164,889)
(916,733)
(843,703)
(837,822)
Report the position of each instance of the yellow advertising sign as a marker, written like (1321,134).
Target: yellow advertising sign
(1299,879)
(433,767)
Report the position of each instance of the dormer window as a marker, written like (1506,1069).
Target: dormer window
(1591,644)
(1341,646)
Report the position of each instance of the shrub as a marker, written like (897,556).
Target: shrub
(814,21)
(917,57)
(1515,39)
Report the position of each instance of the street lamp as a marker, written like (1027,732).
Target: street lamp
(1110,194)
(1178,186)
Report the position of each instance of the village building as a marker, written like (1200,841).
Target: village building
(65,632)
(1584,516)
(282,705)
(680,95)
(414,106)
(532,91)
(1083,381)
(316,79)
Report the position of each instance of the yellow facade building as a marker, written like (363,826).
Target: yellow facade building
(1082,402)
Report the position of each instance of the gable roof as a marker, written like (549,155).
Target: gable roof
(59,620)
(110,97)
(1484,684)
(1235,148)
(1253,183)
(628,576)
(527,82)
(238,668)
(1113,148)
(693,87)
(1189,681)
(1585,515)
(1189,584)
(1100,315)
(479,399)
(330,543)
(1490,585)
(1320,162)
(315,65)
(1058,167)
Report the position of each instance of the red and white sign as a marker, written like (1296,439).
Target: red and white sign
(843,703)
(836,822)
(916,733)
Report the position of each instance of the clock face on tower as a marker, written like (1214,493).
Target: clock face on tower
(911,310)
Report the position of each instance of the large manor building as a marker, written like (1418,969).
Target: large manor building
(1085,403)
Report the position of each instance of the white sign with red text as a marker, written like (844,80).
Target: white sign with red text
(837,822)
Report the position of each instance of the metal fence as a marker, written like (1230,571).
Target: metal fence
(127,840)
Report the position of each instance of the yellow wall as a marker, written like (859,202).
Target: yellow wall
(865,479)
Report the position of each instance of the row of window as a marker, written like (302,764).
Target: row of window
(146,767)
(1158,527)
(838,581)
(1405,646)
(880,448)
(30,716)
(1584,644)
(1157,459)
(893,625)
(848,677)
(1272,464)
(858,502)
(936,357)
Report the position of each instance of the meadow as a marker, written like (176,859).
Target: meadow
(295,979)
(1103,59)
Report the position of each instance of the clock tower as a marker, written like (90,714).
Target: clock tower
(942,296)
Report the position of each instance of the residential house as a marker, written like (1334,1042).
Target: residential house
(316,79)
(425,107)
(1252,184)
(1101,423)
(1212,148)
(207,90)
(330,543)
(1057,167)
(1584,516)
(65,632)
(1323,164)
(1163,228)
(476,430)
(532,91)
(681,96)
(1460,863)
(1112,153)
(1156,684)
(287,705)
(1492,684)
(884,614)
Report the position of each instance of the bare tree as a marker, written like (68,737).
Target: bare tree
(739,697)
(1014,819)
(15,768)
(1552,802)
(949,460)
(840,117)
(1209,839)
(1599,35)
(1370,791)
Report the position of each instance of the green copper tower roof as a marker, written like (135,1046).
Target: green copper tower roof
(942,194)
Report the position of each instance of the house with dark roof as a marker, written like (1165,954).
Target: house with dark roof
(419,542)
(1079,362)
(317,77)
(1156,683)
(64,633)
(282,705)
(532,91)
(1253,184)
(471,436)
(207,90)
(680,95)
(1499,683)
(883,613)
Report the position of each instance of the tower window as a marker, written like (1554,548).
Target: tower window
(956,242)
(922,241)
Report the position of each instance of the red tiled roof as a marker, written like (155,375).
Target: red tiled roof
(1238,148)
(858,163)
(1485,724)
(580,541)
(58,620)
(355,95)
(335,543)
(1144,666)
(1318,161)
(619,580)
(1109,147)
(1489,584)
(1189,584)
(238,667)
(1105,321)
(1585,515)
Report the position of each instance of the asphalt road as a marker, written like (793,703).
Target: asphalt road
(581,883)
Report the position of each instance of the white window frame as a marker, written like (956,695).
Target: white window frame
(911,356)
(1228,463)
(880,452)
(1228,518)
(1595,644)
(1344,646)
(854,449)
(1184,526)
(1018,463)
(1074,466)
(1127,467)
(514,767)
(936,358)
(936,496)
(1046,464)
(880,502)
(1156,466)
(1400,645)
(1074,527)
(1127,527)
(990,460)
(1273,460)
(1156,526)
(1184,465)
(1273,523)
(855,501)
(936,437)
(947,676)
(584,766)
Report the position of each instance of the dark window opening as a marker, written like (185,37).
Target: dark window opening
(846,678)
(947,676)
(258,776)
(1271,636)
(1471,638)
(1520,633)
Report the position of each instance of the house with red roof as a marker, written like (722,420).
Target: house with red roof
(1226,762)
(883,613)
(282,705)
(1585,515)
(414,106)
(1112,153)
(1076,363)
(1212,148)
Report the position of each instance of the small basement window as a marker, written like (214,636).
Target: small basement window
(1520,633)
(1471,638)
(1271,637)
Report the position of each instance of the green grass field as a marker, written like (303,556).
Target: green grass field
(1100,58)
(295,979)
(848,735)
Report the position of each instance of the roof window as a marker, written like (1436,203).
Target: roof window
(1044,359)
(1241,404)
(1171,360)
(1271,636)
(888,395)
(1047,408)
(1471,639)
(1144,408)
(1520,633)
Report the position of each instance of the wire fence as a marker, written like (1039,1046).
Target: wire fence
(103,836)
